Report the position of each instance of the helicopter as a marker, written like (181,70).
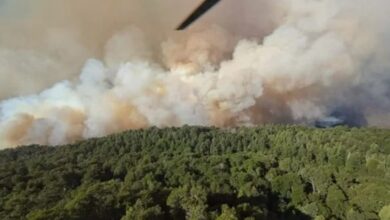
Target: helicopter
(197,13)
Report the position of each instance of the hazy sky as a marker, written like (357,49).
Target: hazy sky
(76,69)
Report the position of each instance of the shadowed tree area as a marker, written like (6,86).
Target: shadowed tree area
(269,172)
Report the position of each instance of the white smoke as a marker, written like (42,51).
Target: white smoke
(287,61)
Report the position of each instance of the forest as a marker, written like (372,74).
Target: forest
(200,173)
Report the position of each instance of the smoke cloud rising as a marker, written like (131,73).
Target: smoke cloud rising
(97,67)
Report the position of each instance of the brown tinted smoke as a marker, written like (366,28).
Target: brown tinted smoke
(79,69)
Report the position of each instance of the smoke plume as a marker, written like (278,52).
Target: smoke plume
(71,70)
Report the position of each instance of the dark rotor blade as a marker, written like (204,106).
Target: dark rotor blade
(203,8)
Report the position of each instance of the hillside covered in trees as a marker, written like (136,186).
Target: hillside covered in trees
(270,172)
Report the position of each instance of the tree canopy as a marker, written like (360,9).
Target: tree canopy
(268,172)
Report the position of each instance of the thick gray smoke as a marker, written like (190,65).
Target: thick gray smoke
(284,61)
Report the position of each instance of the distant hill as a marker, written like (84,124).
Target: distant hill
(270,172)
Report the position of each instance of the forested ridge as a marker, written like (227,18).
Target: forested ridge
(268,172)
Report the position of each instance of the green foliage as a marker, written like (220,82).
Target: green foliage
(227,213)
(384,214)
(143,210)
(193,200)
(269,172)
(336,200)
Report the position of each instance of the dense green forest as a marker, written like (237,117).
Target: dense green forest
(269,172)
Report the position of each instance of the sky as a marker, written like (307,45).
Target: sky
(71,69)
